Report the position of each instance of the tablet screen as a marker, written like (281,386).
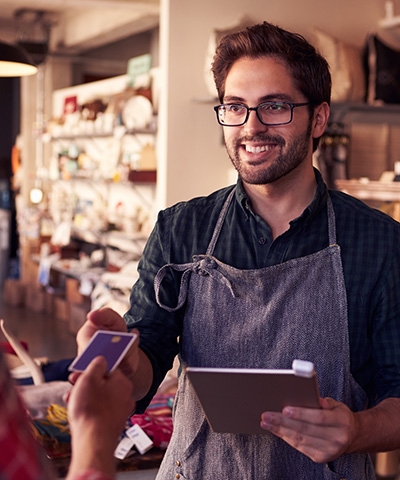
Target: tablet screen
(234,399)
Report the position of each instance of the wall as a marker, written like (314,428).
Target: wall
(190,140)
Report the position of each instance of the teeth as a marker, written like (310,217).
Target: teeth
(258,149)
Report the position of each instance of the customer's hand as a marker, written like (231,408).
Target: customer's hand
(98,407)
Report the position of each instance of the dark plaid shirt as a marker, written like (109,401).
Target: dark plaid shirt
(370,248)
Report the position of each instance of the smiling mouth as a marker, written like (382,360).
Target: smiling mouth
(259,148)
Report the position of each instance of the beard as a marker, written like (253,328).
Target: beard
(296,152)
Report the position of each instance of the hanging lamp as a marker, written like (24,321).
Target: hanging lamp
(15,62)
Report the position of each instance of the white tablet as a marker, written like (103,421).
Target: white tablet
(234,399)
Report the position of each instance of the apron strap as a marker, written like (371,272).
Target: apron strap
(185,268)
(331,222)
(220,221)
(197,265)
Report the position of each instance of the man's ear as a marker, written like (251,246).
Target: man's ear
(321,117)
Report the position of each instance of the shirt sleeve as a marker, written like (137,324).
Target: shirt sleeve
(159,329)
(386,330)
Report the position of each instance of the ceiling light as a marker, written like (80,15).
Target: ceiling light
(15,62)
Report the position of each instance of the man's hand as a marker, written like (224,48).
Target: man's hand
(107,319)
(103,319)
(321,434)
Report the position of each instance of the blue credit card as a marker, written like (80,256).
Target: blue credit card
(111,345)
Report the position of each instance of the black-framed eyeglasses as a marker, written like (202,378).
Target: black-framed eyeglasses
(269,113)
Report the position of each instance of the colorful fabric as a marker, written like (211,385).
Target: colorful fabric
(156,422)
(54,426)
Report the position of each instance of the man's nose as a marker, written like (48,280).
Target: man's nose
(253,122)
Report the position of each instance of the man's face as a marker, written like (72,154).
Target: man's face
(263,154)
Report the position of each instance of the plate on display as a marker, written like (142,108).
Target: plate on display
(137,112)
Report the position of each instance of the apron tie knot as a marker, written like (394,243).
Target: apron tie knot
(206,265)
(202,265)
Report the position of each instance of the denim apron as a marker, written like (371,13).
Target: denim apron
(260,318)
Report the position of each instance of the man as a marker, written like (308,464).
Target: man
(272,269)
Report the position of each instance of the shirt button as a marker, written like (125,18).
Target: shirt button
(262,240)
(177,475)
(178,463)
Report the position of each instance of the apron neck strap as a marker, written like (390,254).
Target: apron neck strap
(331,222)
(220,221)
(224,210)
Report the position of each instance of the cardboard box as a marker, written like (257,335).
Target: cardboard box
(14,292)
(29,258)
(77,316)
(35,298)
(61,308)
(72,292)
(49,300)
(30,271)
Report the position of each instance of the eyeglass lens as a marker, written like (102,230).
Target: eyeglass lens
(271,113)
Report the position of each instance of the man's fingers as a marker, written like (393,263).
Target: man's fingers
(107,319)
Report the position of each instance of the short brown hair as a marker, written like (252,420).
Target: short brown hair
(309,69)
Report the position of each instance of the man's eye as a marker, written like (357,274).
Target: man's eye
(235,108)
(274,107)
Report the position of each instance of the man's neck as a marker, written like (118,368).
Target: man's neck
(280,202)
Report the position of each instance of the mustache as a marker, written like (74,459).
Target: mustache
(262,138)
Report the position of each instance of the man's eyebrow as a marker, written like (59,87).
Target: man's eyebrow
(283,97)
(232,98)
(273,97)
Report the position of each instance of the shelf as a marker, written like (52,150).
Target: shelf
(136,131)
(124,241)
(365,113)
(142,176)
(366,107)
(134,176)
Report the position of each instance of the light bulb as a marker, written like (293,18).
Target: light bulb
(36,195)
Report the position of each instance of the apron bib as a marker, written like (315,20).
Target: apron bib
(260,318)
